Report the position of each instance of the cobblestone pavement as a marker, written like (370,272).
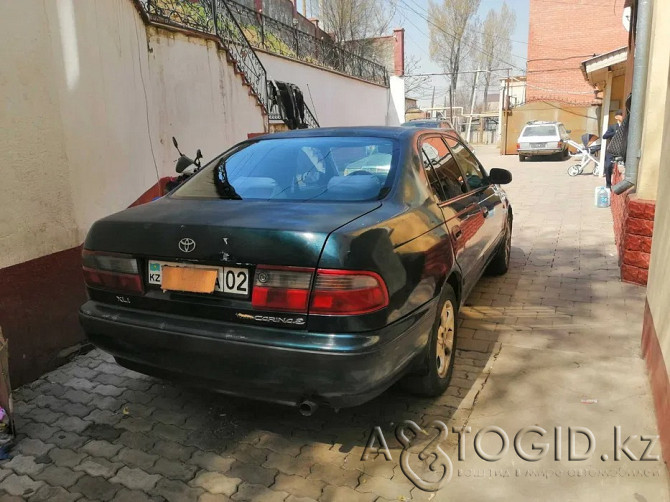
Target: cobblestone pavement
(92,430)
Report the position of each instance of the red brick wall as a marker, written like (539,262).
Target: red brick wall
(574,29)
(633,229)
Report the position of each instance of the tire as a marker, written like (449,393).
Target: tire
(574,170)
(500,263)
(566,154)
(521,158)
(441,350)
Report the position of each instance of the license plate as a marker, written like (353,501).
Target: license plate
(228,280)
(538,145)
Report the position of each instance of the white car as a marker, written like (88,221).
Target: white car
(543,138)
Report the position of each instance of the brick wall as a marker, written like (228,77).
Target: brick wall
(633,229)
(574,29)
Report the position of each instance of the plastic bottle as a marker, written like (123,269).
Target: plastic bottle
(603,197)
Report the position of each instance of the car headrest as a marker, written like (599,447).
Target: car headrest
(354,187)
(255,188)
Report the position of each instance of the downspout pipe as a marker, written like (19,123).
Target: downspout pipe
(639,89)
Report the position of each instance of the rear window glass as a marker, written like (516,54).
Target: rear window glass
(301,169)
(430,124)
(544,130)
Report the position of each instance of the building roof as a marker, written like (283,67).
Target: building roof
(596,68)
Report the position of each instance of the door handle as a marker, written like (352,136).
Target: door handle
(485,210)
(457,232)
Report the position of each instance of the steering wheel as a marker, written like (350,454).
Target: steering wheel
(360,173)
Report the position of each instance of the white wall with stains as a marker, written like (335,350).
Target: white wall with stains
(89,101)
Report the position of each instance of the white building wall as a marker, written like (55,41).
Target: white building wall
(89,101)
(336,99)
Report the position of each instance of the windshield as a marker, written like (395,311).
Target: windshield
(300,169)
(433,124)
(541,130)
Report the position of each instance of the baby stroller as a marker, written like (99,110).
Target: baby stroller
(586,154)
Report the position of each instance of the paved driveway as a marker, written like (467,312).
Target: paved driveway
(553,344)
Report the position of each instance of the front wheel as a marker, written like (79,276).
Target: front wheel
(574,170)
(440,351)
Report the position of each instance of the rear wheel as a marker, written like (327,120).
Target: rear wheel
(574,170)
(566,154)
(500,263)
(441,349)
(521,158)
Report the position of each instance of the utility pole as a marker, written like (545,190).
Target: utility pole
(432,102)
(472,105)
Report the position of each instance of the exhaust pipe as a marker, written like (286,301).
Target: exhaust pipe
(307,408)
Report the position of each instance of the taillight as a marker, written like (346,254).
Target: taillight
(341,292)
(518,146)
(282,288)
(111,271)
(560,144)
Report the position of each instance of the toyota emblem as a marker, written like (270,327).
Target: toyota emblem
(187,245)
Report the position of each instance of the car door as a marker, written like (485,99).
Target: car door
(488,196)
(460,207)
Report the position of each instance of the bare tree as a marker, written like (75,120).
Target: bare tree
(496,41)
(414,84)
(452,25)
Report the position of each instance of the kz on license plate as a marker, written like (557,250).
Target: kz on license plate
(229,280)
(538,145)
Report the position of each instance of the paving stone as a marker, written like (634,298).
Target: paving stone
(293,498)
(4,472)
(288,464)
(211,497)
(105,417)
(101,431)
(97,466)
(70,440)
(73,424)
(135,478)
(136,424)
(80,384)
(32,447)
(383,487)
(53,494)
(51,402)
(252,473)
(78,396)
(108,403)
(136,410)
(258,493)
(84,372)
(24,464)
(298,486)
(169,417)
(170,432)
(170,449)
(332,474)
(136,458)
(95,488)
(99,448)
(21,485)
(126,495)
(64,457)
(59,476)
(39,415)
(345,494)
(174,470)
(38,431)
(110,379)
(108,390)
(77,409)
(249,454)
(215,482)
(212,462)
(136,440)
(176,491)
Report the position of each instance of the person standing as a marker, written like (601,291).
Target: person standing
(609,134)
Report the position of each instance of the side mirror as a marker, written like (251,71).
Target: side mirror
(499,176)
(182,163)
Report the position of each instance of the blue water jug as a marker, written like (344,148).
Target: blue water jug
(603,197)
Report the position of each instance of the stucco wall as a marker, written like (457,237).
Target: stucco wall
(657,92)
(658,289)
(336,100)
(88,110)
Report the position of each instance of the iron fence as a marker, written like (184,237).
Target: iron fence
(276,37)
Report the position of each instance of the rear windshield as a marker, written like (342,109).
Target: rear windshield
(541,130)
(432,124)
(301,169)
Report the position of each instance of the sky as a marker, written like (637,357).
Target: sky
(417,39)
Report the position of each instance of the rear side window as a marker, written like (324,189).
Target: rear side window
(447,175)
(543,130)
(468,163)
(301,169)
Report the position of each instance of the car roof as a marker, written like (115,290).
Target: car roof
(542,122)
(391,132)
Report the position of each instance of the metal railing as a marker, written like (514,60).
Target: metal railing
(276,115)
(214,17)
(276,37)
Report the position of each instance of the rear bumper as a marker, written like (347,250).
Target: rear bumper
(547,151)
(285,366)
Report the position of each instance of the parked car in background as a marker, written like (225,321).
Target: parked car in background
(428,124)
(543,138)
(314,267)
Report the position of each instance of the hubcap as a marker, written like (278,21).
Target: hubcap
(445,339)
